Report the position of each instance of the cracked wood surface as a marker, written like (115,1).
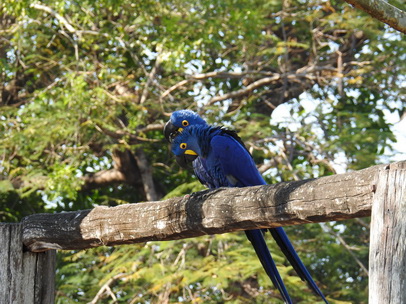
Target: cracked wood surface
(387,252)
(331,198)
(25,277)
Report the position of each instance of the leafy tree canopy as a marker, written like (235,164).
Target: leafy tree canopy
(85,88)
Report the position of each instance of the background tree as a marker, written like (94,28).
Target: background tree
(86,87)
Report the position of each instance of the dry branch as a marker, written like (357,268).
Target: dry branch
(60,18)
(247,90)
(383,11)
(335,197)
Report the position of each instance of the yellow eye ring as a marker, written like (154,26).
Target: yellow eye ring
(183,146)
(185,123)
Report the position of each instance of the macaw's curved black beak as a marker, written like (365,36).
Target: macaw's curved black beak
(185,159)
(170,131)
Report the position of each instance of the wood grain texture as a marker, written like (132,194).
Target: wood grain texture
(387,255)
(25,277)
(383,11)
(336,197)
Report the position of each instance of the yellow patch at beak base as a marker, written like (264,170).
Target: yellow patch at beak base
(190,152)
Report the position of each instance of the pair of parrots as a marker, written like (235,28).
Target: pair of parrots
(220,159)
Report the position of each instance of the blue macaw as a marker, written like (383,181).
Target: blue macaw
(220,159)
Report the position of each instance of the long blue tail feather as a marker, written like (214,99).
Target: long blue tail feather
(257,240)
(284,243)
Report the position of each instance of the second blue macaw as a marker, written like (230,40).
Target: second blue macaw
(220,159)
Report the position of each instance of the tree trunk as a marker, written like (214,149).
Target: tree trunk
(146,175)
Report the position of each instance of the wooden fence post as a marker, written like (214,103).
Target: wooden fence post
(25,277)
(387,257)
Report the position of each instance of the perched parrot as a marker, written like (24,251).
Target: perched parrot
(220,159)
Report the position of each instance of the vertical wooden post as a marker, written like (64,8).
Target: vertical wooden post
(387,257)
(25,277)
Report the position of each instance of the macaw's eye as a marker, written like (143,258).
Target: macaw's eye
(183,146)
(185,123)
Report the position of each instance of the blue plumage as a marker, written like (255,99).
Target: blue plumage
(220,159)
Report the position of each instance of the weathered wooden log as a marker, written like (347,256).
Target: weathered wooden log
(336,197)
(387,254)
(25,277)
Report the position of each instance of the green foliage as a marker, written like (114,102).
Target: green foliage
(77,104)
(184,189)
(201,270)
(14,206)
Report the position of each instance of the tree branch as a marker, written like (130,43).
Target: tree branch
(105,290)
(329,198)
(60,18)
(125,171)
(150,79)
(348,248)
(383,11)
(302,73)
(214,74)
(103,178)
(131,139)
(246,90)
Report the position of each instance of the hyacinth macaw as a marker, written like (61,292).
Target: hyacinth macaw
(220,159)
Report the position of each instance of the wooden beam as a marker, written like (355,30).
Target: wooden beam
(25,277)
(387,254)
(330,198)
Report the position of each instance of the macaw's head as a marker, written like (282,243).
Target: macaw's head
(179,121)
(186,147)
